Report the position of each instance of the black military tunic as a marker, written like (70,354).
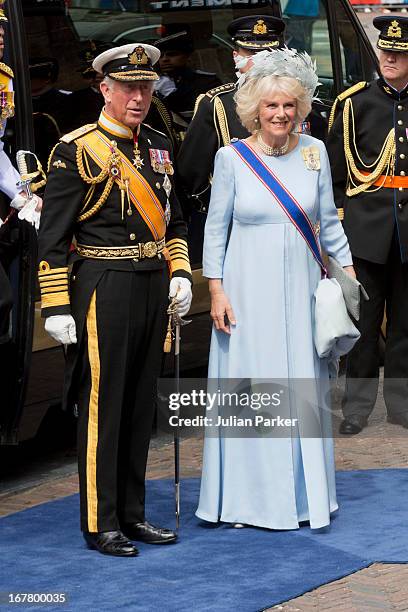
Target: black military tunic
(369,117)
(118,298)
(214,125)
(189,85)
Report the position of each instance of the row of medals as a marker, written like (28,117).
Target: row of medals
(165,168)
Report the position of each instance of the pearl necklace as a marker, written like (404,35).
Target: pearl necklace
(274,151)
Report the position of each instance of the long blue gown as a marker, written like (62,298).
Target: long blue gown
(269,275)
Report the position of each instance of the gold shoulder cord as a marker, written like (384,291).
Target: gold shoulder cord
(222,121)
(332,114)
(215,122)
(383,165)
(165,115)
(345,94)
(87,177)
(197,102)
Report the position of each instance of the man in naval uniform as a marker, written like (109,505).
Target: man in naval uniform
(111,186)
(368,150)
(215,121)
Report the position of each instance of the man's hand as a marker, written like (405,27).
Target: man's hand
(62,328)
(180,287)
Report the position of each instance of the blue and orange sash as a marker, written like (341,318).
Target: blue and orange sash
(285,199)
(98,146)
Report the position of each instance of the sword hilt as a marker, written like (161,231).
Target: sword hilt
(26,176)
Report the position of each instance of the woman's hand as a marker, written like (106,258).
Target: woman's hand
(350,271)
(221,307)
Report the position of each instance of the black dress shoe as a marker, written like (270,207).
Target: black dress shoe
(398,419)
(110,543)
(145,532)
(353,424)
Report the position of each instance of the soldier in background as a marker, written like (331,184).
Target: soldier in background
(86,103)
(9,178)
(179,84)
(368,150)
(215,121)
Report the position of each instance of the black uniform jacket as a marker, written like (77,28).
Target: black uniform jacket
(214,125)
(189,85)
(371,217)
(108,227)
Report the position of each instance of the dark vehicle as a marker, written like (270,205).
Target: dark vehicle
(47,42)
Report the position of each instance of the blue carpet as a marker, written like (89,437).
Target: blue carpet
(212,568)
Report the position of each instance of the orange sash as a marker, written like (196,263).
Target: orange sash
(98,146)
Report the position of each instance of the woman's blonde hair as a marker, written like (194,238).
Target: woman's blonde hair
(249,96)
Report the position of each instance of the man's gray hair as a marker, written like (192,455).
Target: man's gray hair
(108,81)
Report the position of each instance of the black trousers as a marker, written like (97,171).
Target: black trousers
(387,286)
(119,362)
(6,303)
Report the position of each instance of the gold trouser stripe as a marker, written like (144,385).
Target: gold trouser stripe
(92,445)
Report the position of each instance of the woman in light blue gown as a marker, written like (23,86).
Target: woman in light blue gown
(262,280)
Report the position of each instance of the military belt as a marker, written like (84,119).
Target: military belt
(393,182)
(137,252)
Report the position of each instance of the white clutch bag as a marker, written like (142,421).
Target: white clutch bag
(334,332)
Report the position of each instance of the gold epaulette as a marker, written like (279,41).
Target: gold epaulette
(221,89)
(81,131)
(154,130)
(7,70)
(345,94)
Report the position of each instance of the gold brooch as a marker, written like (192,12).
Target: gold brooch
(311,157)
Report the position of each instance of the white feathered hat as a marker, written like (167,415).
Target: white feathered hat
(284,62)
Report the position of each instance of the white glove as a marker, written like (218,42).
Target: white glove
(62,328)
(165,86)
(29,210)
(18,201)
(181,287)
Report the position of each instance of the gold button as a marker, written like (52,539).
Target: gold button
(402,173)
(399,122)
(400,206)
(402,156)
(400,107)
(400,189)
(129,212)
(401,139)
(132,236)
(158,185)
